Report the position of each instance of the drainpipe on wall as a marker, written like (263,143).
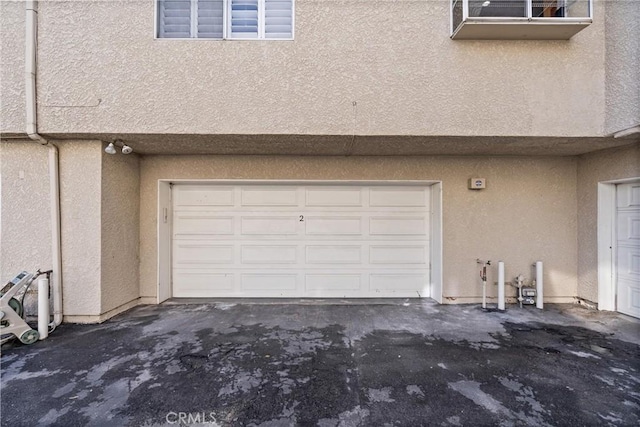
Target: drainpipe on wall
(30,66)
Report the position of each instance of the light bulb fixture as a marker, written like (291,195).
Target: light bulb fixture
(110,149)
(486,3)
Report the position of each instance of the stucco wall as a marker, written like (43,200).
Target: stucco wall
(25,226)
(80,178)
(593,168)
(622,65)
(101,70)
(26,218)
(120,230)
(99,198)
(527,213)
(12,51)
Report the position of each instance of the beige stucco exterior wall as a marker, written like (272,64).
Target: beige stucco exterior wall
(25,217)
(12,52)
(596,167)
(101,71)
(99,198)
(622,65)
(80,177)
(120,230)
(527,213)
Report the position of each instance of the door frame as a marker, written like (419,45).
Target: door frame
(607,242)
(165,221)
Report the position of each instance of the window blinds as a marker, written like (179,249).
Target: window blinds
(278,17)
(174,18)
(221,19)
(210,19)
(245,19)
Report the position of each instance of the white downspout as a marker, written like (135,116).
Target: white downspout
(30,66)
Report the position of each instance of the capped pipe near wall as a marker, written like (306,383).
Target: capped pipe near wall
(539,285)
(43,307)
(501,302)
(484,295)
(483,277)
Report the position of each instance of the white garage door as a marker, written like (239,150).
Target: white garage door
(628,248)
(300,241)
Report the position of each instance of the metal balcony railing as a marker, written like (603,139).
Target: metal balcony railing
(519,19)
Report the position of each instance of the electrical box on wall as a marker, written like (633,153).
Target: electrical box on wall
(477,183)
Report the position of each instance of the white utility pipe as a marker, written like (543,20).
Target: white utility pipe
(43,307)
(56,244)
(500,285)
(539,285)
(30,65)
(484,294)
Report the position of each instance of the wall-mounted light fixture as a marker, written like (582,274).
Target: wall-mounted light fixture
(111,148)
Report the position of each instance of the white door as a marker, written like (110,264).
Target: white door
(300,241)
(628,248)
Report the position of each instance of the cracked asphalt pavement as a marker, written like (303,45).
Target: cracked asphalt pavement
(342,363)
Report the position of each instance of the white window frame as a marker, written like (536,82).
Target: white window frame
(226,16)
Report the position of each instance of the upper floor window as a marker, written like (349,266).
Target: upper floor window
(225,19)
(520,8)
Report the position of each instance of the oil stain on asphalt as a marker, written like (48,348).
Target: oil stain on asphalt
(329,365)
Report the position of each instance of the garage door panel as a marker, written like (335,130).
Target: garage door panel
(332,226)
(333,254)
(398,225)
(628,195)
(193,253)
(628,226)
(269,196)
(202,284)
(199,196)
(269,282)
(634,297)
(274,225)
(398,254)
(269,254)
(333,282)
(334,197)
(629,261)
(199,225)
(398,197)
(400,283)
(629,296)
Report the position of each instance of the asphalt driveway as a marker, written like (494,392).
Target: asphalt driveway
(408,363)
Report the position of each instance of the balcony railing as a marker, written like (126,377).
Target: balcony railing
(519,19)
